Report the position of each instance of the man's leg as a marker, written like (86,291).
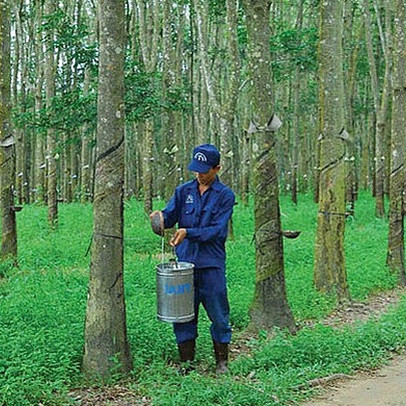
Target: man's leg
(215,301)
(186,333)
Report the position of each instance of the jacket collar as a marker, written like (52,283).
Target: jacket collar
(216,185)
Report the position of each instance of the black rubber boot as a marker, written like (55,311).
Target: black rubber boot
(186,355)
(221,353)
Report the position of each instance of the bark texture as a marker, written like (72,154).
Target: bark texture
(39,156)
(170,119)
(86,154)
(270,306)
(150,25)
(380,102)
(396,244)
(329,266)
(382,118)
(295,125)
(106,343)
(7,147)
(51,140)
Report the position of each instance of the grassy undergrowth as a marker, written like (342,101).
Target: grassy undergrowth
(42,309)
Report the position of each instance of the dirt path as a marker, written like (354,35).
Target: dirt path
(384,387)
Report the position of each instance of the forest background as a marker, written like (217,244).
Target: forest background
(183,73)
(332,75)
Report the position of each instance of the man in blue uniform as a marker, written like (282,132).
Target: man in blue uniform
(202,209)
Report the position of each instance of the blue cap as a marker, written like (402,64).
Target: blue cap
(205,157)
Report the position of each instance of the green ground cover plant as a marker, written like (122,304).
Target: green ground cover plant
(43,302)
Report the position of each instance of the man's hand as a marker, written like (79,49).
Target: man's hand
(178,237)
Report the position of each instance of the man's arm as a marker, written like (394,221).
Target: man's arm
(171,211)
(217,230)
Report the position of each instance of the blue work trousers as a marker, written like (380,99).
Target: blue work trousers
(210,290)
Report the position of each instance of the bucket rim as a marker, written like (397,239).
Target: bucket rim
(175,266)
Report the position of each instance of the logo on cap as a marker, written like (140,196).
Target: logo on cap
(200,157)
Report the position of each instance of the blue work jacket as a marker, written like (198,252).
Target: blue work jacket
(205,218)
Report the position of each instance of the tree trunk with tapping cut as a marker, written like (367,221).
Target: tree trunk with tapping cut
(106,345)
(270,307)
(396,242)
(329,265)
(7,142)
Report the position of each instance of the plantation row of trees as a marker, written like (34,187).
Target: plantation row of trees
(187,81)
(161,76)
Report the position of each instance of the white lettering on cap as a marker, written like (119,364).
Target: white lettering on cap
(200,157)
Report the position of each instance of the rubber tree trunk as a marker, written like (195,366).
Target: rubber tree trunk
(170,119)
(295,129)
(396,243)
(18,65)
(147,169)
(7,142)
(270,306)
(382,119)
(86,164)
(329,265)
(352,33)
(52,200)
(39,193)
(380,102)
(106,344)
(149,12)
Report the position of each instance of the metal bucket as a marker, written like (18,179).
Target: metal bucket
(175,292)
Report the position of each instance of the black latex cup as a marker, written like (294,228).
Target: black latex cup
(157,223)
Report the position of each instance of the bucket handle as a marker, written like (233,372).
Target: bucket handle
(173,260)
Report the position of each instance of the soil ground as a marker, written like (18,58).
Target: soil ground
(384,387)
